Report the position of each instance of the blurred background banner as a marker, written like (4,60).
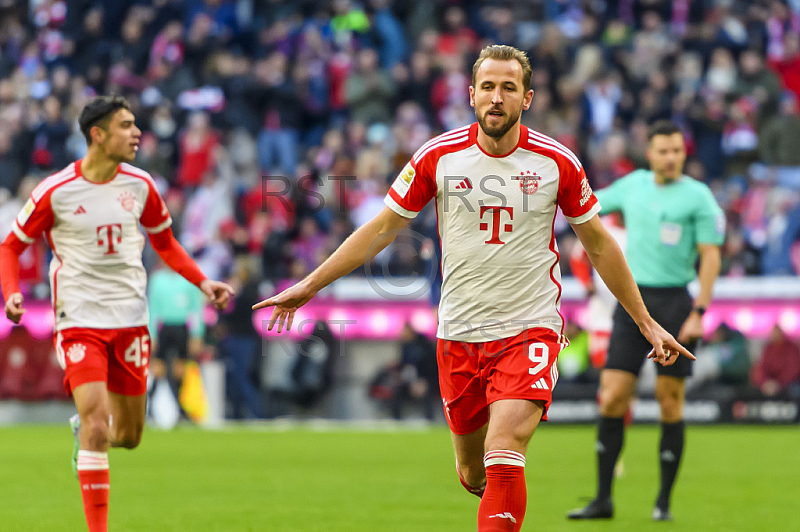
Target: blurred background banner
(273,129)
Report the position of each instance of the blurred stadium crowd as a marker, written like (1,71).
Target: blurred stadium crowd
(274,127)
(232,94)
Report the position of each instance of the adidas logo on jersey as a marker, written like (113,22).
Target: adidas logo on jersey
(464,185)
(540,384)
(80,210)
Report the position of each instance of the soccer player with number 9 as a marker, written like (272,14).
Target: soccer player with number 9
(90,213)
(497,186)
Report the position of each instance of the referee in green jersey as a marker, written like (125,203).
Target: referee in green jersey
(671,219)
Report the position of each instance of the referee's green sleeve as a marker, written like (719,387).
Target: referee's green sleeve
(197,327)
(612,196)
(710,226)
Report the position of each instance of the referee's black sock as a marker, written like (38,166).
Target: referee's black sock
(670,452)
(610,435)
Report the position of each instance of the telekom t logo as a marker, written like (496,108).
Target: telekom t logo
(108,235)
(496,215)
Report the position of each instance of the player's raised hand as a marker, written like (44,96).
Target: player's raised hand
(14,310)
(218,293)
(666,349)
(286,304)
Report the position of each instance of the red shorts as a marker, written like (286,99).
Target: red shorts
(474,375)
(118,357)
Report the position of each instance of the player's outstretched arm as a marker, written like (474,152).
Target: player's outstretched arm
(174,256)
(218,293)
(607,258)
(14,310)
(360,247)
(10,250)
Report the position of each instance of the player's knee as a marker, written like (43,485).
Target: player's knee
(94,431)
(671,404)
(131,442)
(128,442)
(612,403)
(128,437)
(473,474)
(511,441)
(672,413)
(666,394)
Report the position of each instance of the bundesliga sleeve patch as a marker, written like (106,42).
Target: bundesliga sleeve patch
(404,180)
(26,212)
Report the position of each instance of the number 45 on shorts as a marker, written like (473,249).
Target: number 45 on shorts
(138,353)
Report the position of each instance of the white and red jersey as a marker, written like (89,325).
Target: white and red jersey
(96,275)
(496,215)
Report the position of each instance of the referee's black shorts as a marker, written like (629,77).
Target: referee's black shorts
(173,343)
(627,348)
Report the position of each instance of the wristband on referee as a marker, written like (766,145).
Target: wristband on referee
(699,310)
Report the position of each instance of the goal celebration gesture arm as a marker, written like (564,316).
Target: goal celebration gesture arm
(360,247)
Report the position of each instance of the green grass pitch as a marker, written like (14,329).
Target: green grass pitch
(298,480)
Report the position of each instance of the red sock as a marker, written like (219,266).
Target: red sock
(502,507)
(94,481)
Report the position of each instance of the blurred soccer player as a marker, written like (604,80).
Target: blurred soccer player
(90,213)
(496,185)
(601,301)
(671,219)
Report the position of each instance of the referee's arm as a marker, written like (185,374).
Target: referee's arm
(710,263)
(607,258)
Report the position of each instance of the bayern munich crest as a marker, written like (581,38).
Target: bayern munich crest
(126,199)
(528,182)
(76,353)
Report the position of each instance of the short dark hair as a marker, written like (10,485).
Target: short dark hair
(503,52)
(662,127)
(99,111)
